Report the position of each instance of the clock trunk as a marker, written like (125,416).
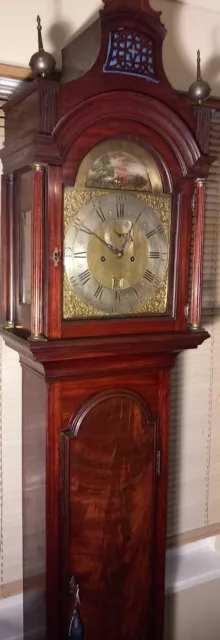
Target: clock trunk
(94,490)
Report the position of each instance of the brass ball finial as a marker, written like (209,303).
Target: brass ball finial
(199,90)
(41,63)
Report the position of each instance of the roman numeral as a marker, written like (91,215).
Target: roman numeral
(149,276)
(159,229)
(139,215)
(80,254)
(151,233)
(120,209)
(100,214)
(154,254)
(76,223)
(117,297)
(98,293)
(86,230)
(135,291)
(85,276)
(74,281)
(157,282)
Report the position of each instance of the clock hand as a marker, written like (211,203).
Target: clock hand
(120,235)
(126,235)
(128,238)
(110,246)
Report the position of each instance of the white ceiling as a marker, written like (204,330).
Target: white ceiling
(208,5)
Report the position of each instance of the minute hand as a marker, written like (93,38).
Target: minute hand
(110,246)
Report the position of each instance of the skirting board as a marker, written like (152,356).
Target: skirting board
(11,620)
(190,566)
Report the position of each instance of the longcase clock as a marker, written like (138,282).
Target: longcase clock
(100,173)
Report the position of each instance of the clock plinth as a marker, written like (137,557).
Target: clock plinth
(100,174)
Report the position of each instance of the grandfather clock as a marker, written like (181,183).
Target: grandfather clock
(100,173)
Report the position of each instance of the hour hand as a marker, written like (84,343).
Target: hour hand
(126,234)
(128,238)
(110,246)
(120,235)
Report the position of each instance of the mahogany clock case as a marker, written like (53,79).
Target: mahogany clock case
(59,124)
(96,391)
(50,200)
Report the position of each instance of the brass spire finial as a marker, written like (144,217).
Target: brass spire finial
(199,90)
(41,63)
(198,66)
(39,29)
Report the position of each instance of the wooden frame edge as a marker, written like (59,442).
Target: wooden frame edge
(10,79)
(12,71)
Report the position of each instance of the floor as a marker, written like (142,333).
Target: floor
(193,614)
(11,624)
(192,602)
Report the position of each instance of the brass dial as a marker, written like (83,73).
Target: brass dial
(116,253)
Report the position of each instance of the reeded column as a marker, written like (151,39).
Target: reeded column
(197,270)
(37,249)
(8,239)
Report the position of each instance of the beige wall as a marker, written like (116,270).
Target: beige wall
(60,19)
(210,5)
(189,26)
(194,614)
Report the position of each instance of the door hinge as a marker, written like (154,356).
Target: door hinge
(158,463)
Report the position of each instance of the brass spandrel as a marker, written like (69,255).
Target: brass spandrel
(162,205)
(73,306)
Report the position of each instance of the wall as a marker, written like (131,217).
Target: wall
(194,614)
(190,26)
(10,467)
(11,573)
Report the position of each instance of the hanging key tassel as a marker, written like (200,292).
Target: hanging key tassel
(76,626)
